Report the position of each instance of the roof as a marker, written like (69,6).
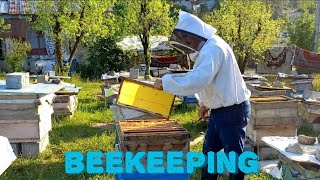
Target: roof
(13,7)
(134,43)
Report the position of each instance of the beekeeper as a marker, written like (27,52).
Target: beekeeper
(217,83)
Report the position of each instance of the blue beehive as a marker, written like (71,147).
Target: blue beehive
(189,99)
(166,176)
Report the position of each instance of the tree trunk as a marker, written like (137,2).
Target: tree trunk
(147,59)
(78,38)
(242,64)
(315,47)
(58,51)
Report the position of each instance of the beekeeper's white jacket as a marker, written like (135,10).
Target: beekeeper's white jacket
(215,79)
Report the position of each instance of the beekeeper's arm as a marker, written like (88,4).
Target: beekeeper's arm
(206,67)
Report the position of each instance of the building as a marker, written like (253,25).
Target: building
(15,13)
(193,5)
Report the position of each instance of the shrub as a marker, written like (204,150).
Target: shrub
(17,54)
(104,56)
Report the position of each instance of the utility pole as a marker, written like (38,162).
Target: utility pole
(316,38)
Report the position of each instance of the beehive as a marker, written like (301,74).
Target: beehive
(273,110)
(152,135)
(145,97)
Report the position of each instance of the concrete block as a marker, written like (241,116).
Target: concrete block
(42,79)
(17,80)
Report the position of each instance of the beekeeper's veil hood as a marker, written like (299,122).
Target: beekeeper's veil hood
(191,33)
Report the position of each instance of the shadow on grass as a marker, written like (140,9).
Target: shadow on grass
(87,100)
(37,170)
(195,128)
(91,108)
(71,133)
(182,108)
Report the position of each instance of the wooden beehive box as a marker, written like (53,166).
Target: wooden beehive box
(265,92)
(65,104)
(144,97)
(255,133)
(310,111)
(273,110)
(150,135)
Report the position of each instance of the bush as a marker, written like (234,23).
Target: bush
(104,56)
(17,54)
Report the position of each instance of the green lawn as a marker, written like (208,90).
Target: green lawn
(90,129)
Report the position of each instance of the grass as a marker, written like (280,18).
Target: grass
(81,134)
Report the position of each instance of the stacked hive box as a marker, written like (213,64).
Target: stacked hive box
(157,133)
(65,102)
(65,105)
(310,112)
(26,121)
(26,116)
(271,116)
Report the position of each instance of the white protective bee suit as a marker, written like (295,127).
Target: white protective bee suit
(215,79)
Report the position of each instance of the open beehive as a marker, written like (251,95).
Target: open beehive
(152,135)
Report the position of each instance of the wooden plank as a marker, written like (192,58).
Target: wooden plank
(255,133)
(17,130)
(27,114)
(274,113)
(143,96)
(17,96)
(274,121)
(32,89)
(273,102)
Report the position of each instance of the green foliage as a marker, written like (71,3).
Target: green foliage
(144,18)
(3,26)
(73,22)
(301,31)
(247,25)
(104,56)
(17,54)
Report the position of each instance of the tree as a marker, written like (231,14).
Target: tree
(104,56)
(144,18)
(71,22)
(301,30)
(17,54)
(246,25)
(3,26)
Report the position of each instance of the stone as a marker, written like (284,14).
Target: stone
(306,140)
(294,148)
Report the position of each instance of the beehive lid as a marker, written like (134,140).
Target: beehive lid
(145,97)
(263,99)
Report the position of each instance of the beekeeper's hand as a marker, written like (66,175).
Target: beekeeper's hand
(203,112)
(158,84)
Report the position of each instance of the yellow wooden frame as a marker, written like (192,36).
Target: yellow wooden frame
(145,97)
